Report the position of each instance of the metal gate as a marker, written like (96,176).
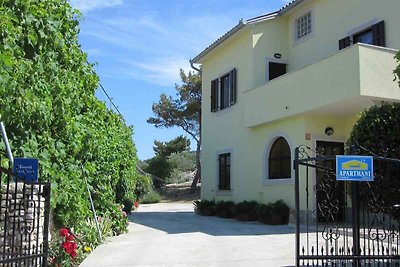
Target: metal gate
(24,221)
(342,223)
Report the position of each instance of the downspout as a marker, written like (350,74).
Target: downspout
(193,67)
(5,139)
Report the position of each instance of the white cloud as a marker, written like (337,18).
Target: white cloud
(87,5)
(164,72)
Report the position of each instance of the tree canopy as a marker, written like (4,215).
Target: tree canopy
(176,145)
(48,105)
(183,112)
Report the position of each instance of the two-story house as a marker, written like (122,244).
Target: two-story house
(300,75)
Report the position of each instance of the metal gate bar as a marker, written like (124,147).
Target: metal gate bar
(24,221)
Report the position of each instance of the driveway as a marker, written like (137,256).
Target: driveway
(170,234)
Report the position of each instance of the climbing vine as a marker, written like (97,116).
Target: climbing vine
(48,105)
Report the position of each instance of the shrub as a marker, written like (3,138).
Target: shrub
(246,211)
(273,213)
(151,197)
(205,207)
(225,209)
(159,167)
(144,185)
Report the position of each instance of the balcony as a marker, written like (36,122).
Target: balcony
(343,84)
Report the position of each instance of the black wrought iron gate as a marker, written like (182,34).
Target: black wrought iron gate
(346,223)
(24,221)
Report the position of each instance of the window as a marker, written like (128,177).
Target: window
(223,91)
(374,35)
(303,26)
(224,171)
(279,161)
(275,70)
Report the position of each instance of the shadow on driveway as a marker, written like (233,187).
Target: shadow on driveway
(178,222)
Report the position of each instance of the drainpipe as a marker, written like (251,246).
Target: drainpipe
(193,67)
(5,139)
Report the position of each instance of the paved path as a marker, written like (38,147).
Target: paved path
(170,234)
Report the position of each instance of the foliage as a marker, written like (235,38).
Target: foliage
(144,185)
(183,112)
(64,249)
(151,197)
(205,207)
(160,168)
(397,70)
(225,209)
(183,161)
(378,119)
(246,210)
(377,133)
(48,105)
(273,213)
(182,165)
(177,145)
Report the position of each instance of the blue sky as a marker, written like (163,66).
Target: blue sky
(139,47)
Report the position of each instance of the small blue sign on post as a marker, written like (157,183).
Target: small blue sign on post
(355,168)
(26,168)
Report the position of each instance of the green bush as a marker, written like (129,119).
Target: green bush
(144,185)
(273,213)
(246,210)
(205,207)
(160,168)
(151,197)
(225,209)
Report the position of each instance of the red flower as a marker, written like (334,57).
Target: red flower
(69,247)
(64,232)
(69,237)
(73,254)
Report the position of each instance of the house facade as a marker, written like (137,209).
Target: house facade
(298,76)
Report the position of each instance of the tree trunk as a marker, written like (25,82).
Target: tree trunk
(197,176)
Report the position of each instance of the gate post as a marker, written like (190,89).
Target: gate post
(297,204)
(355,207)
(355,214)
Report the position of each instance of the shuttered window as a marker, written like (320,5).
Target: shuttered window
(224,171)
(374,35)
(223,91)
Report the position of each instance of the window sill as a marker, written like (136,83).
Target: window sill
(269,182)
(222,112)
(224,193)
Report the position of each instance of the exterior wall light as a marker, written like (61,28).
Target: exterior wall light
(329,131)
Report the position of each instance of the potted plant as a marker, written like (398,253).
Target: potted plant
(276,213)
(204,207)
(225,209)
(246,211)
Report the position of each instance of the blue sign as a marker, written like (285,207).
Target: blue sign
(26,168)
(355,168)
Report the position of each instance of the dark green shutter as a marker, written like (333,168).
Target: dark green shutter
(233,86)
(214,95)
(345,42)
(378,34)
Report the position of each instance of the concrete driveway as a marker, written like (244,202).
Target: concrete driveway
(170,234)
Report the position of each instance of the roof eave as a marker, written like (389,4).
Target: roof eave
(220,40)
(289,7)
